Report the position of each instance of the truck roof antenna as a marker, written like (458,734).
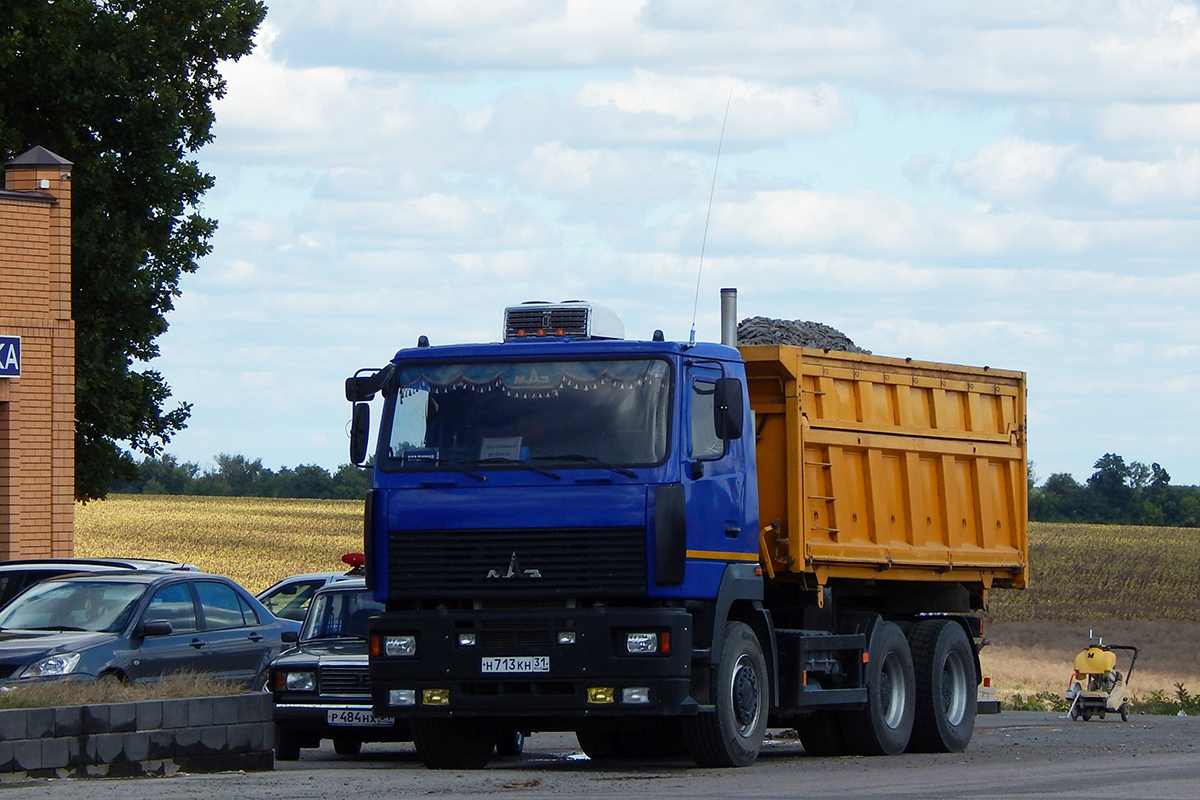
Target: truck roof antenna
(704,240)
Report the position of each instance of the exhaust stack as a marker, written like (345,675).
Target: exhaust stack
(729,317)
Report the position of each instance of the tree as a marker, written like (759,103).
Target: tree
(123,89)
(1110,486)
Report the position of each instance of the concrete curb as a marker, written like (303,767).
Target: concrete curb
(148,737)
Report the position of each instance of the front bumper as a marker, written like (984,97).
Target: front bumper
(592,675)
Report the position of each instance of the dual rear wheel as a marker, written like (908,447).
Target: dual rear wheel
(921,696)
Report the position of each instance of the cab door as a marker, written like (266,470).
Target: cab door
(714,478)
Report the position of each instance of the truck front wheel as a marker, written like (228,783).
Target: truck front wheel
(732,734)
(453,743)
(946,687)
(883,728)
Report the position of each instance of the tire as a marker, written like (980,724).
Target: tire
(510,744)
(821,734)
(648,741)
(947,688)
(453,743)
(884,726)
(732,734)
(600,744)
(1124,709)
(347,746)
(287,745)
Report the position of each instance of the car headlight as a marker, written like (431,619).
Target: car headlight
(296,681)
(54,665)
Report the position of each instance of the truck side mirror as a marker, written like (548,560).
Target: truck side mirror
(360,427)
(728,408)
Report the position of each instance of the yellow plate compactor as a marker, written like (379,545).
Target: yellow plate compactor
(1097,686)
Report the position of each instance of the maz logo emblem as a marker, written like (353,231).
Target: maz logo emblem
(514,570)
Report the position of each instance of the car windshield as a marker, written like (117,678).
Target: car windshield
(340,614)
(548,414)
(73,606)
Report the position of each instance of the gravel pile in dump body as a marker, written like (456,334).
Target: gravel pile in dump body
(761,330)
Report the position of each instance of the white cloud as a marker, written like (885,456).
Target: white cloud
(1015,184)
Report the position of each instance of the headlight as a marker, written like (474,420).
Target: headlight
(296,681)
(400,645)
(636,643)
(54,665)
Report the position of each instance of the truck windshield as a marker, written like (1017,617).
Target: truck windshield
(549,413)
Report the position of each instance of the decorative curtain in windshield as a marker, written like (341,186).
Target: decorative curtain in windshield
(612,411)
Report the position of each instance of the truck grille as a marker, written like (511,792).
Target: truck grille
(517,564)
(573,322)
(345,681)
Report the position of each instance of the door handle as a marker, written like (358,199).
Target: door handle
(255,636)
(197,643)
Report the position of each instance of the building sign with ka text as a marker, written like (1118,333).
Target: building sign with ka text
(10,356)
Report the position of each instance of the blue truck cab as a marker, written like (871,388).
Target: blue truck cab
(559,525)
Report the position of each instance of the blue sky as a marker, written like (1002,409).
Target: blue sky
(1014,184)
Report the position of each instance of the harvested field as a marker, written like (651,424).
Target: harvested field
(1130,584)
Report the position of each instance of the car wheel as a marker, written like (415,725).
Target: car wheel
(510,744)
(346,746)
(287,745)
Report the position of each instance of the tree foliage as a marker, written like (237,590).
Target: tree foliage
(124,90)
(238,476)
(1117,493)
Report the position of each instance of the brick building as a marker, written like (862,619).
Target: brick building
(37,358)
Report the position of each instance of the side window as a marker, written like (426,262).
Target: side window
(705,445)
(222,607)
(174,604)
(291,601)
(248,613)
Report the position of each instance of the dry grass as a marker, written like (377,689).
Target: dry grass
(1131,584)
(1030,657)
(58,693)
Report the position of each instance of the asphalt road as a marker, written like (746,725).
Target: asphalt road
(1013,755)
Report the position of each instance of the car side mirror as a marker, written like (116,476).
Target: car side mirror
(157,627)
(728,408)
(360,426)
(289,637)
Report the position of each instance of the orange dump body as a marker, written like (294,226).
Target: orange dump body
(873,469)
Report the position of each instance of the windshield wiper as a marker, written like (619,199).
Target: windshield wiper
(460,466)
(599,462)
(57,628)
(519,463)
(335,636)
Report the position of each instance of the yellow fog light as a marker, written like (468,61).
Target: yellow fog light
(435,697)
(601,694)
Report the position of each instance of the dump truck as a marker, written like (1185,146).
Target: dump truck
(668,547)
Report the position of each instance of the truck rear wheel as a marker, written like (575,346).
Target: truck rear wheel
(821,734)
(732,734)
(946,687)
(883,728)
(453,743)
